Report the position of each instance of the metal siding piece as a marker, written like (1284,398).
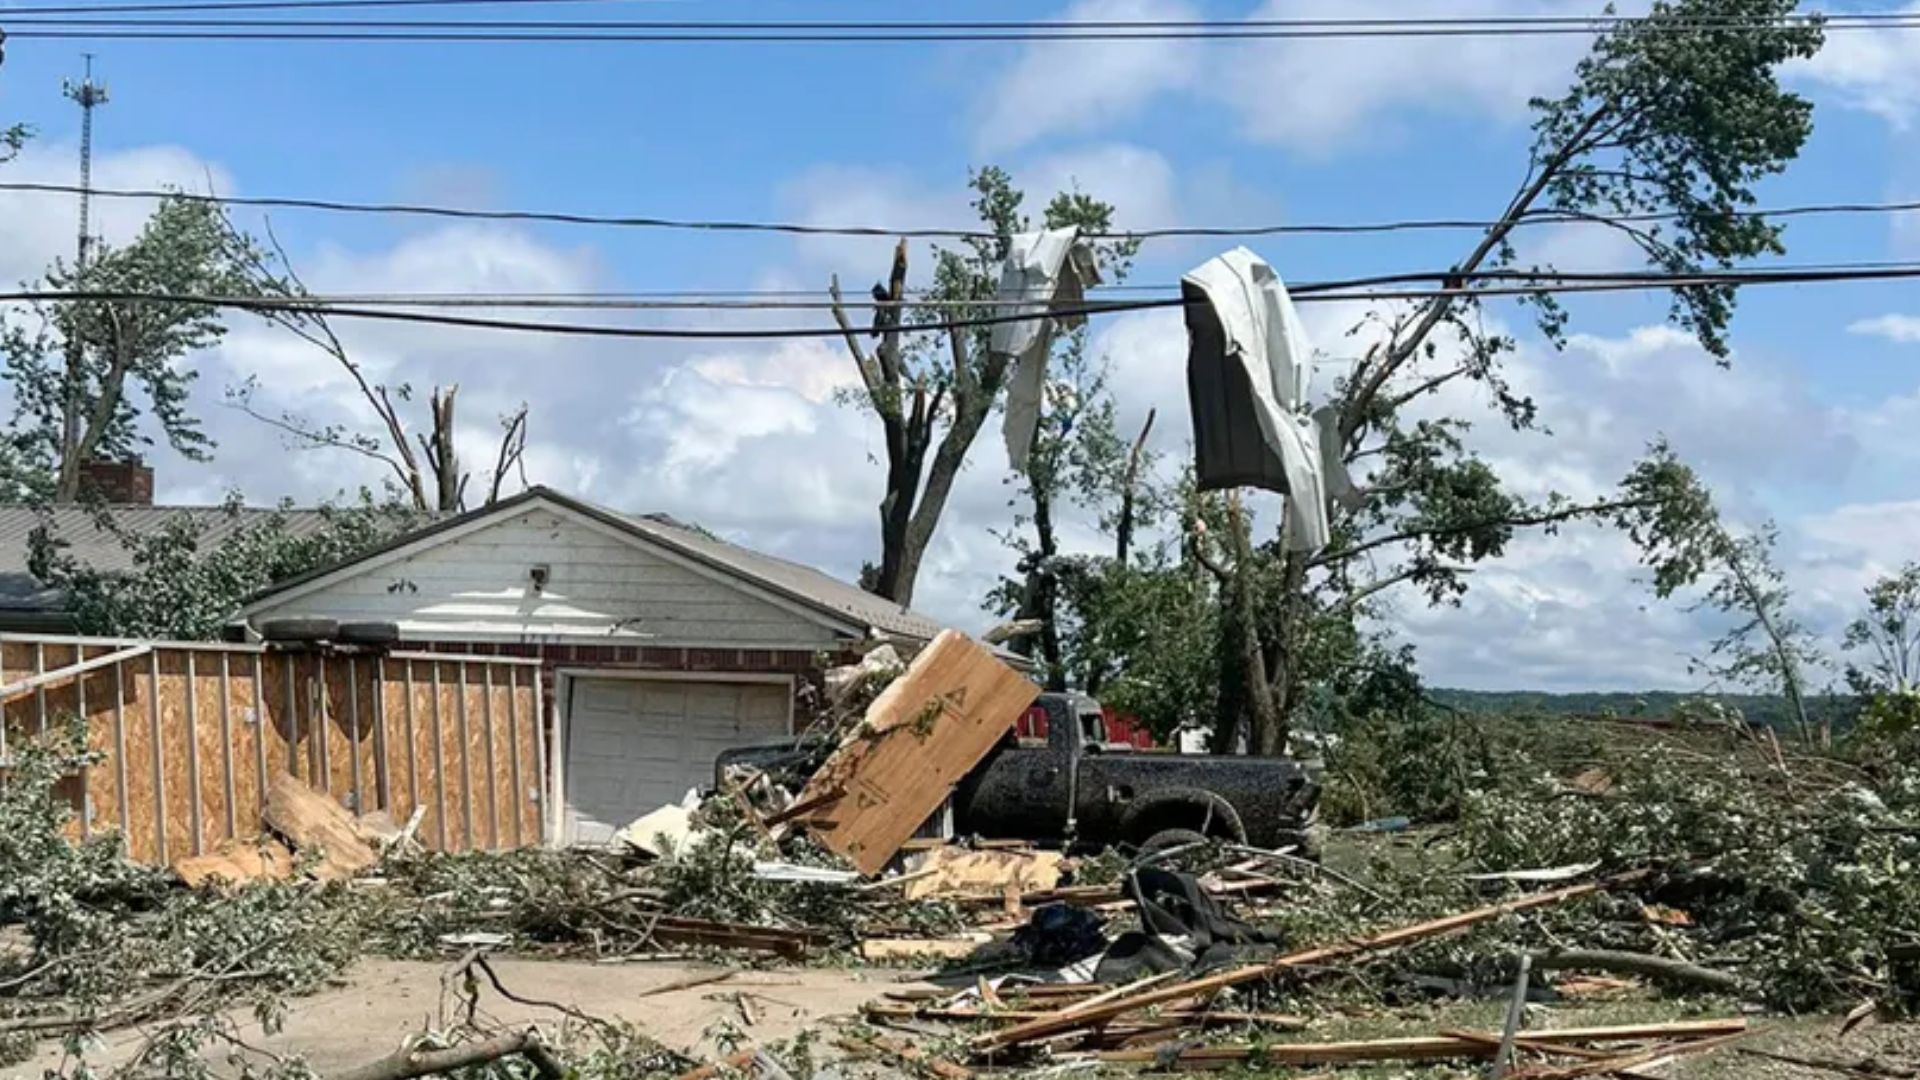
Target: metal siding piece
(159,759)
(193,756)
(226,742)
(120,743)
(439,759)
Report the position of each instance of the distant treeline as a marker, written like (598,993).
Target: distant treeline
(1770,709)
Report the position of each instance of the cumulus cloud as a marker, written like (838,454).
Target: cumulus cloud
(1080,86)
(1903,329)
(1872,70)
(37,227)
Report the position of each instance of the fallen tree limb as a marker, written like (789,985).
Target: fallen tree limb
(1077,1020)
(1629,1061)
(1643,964)
(411,1063)
(1866,1067)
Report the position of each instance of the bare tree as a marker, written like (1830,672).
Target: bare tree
(425,467)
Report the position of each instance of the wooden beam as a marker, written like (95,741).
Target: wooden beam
(63,675)
(1080,1020)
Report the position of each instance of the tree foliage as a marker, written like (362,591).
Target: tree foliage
(182,585)
(78,369)
(1887,638)
(923,386)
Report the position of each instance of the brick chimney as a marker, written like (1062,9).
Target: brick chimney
(119,483)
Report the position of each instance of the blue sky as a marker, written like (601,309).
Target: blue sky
(1813,424)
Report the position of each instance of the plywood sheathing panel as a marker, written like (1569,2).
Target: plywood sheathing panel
(277,728)
(363,721)
(176,752)
(396,740)
(500,805)
(54,707)
(476,770)
(527,735)
(453,756)
(336,750)
(245,726)
(210,750)
(424,768)
(138,712)
(920,736)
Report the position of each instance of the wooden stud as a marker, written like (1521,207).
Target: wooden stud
(486,721)
(159,759)
(413,757)
(120,744)
(439,759)
(466,766)
(86,770)
(226,742)
(353,734)
(550,829)
(381,781)
(193,756)
(40,693)
(322,721)
(513,757)
(292,663)
(260,732)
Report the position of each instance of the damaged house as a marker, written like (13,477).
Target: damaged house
(661,644)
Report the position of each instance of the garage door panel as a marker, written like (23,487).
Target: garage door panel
(636,744)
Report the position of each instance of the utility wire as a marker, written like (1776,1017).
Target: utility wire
(1545,217)
(27,26)
(1305,293)
(1597,19)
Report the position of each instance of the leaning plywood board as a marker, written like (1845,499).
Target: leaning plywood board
(921,735)
(316,823)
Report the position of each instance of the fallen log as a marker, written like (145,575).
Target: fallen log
(1075,1020)
(417,1062)
(1642,964)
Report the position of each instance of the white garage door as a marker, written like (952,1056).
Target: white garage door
(636,744)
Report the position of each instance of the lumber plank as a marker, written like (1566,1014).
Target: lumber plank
(1078,1020)
(920,736)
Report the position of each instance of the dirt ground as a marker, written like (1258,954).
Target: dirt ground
(383,1002)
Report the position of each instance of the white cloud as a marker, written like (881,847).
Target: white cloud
(1903,329)
(38,227)
(1076,87)
(1874,70)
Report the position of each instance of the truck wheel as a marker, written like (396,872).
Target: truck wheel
(1167,839)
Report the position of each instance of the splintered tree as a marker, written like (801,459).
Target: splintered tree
(1661,137)
(79,370)
(932,397)
(429,474)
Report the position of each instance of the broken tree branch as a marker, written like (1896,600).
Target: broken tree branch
(417,1062)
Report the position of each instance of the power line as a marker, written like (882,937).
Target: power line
(1305,293)
(802,229)
(43,26)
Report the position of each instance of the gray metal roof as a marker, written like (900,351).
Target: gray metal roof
(94,546)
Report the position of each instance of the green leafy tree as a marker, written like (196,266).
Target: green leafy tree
(77,369)
(1672,127)
(1888,639)
(1683,539)
(182,585)
(933,396)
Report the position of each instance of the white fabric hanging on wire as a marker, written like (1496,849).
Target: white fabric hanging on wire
(1049,269)
(1248,363)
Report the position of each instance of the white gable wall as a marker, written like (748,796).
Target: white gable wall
(603,585)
